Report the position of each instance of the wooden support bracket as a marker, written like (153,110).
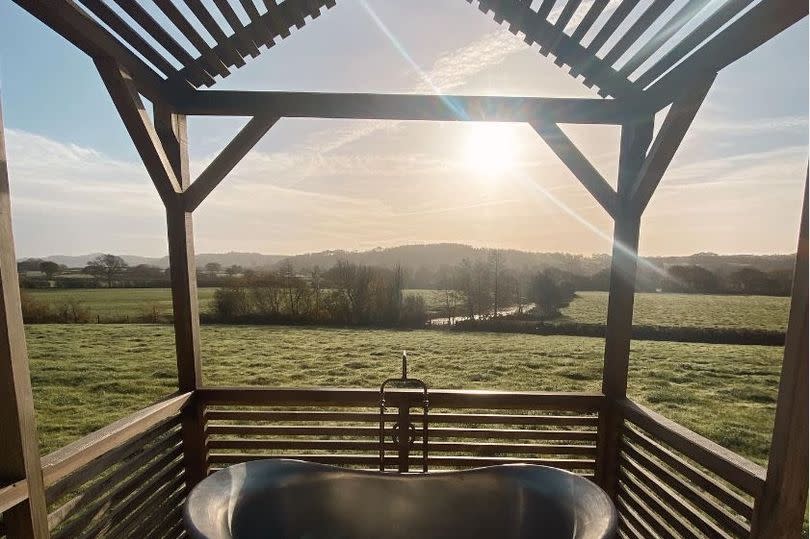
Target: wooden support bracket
(578,164)
(666,143)
(127,101)
(227,159)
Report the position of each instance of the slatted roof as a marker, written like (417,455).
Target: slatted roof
(621,48)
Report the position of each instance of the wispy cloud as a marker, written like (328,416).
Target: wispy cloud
(450,71)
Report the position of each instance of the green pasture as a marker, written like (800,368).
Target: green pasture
(88,375)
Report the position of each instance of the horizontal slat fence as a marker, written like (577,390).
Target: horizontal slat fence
(341,427)
(125,480)
(675,483)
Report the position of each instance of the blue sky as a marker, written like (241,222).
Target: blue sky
(77,185)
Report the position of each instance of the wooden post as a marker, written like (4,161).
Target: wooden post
(779,511)
(19,449)
(404,433)
(171,130)
(635,140)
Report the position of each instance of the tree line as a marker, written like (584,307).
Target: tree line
(488,284)
(345,294)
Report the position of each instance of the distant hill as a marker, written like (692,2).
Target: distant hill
(436,255)
(433,256)
(429,258)
(247,260)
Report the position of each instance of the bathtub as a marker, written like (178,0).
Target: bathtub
(293,499)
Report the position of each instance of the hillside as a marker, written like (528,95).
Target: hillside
(430,258)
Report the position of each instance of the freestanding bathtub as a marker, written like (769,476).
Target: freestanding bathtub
(294,499)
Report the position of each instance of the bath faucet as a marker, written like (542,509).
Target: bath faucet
(404,364)
(404,432)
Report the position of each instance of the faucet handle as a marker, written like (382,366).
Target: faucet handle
(404,364)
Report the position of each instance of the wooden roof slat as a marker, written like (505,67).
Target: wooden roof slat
(159,34)
(687,13)
(545,8)
(752,29)
(276,19)
(294,15)
(74,24)
(596,9)
(276,22)
(635,31)
(260,29)
(248,46)
(538,29)
(214,65)
(230,52)
(129,36)
(616,18)
(567,13)
(712,23)
(561,22)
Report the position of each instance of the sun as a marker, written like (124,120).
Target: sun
(489,149)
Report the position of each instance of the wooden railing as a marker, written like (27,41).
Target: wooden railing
(125,480)
(341,427)
(676,483)
(128,479)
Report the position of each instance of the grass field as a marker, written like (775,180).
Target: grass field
(116,302)
(86,376)
(690,310)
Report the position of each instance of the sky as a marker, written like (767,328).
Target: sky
(78,187)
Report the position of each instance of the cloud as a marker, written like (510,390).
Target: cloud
(746,126)
(46,175)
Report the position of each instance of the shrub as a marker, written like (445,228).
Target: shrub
(414,312)
(72,311)
(230,303)
(33,310)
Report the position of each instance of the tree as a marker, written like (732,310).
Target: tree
(49,268)
(145,272)
(550,296)
(495,259)
(106,267)
(213,269)
(233,270)
(692,278)
(752,281)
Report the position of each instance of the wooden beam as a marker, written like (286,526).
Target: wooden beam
(172,130)
(19,447)
(227,159)
(72,23)
(755,27)
(779,512)
(634,143)
(125,97)
(578,164)
(666,143)
(403,107)
(538,29)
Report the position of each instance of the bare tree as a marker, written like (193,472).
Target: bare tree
(496,260)
(106,267)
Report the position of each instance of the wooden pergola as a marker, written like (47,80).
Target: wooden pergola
(130,478)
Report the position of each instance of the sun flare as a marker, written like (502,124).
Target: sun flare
(489,149)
